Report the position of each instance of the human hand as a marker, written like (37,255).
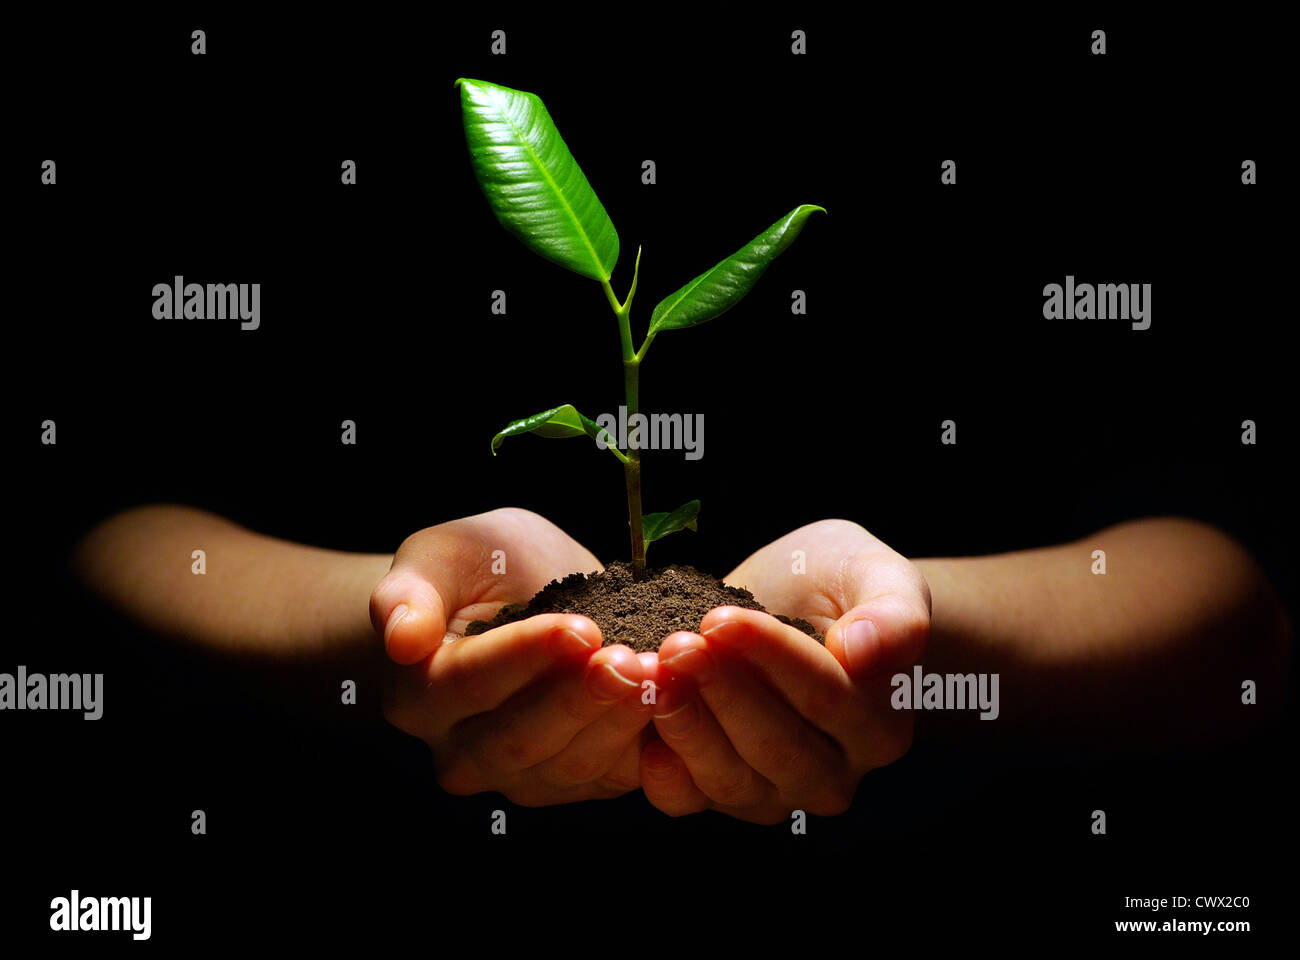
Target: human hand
(535,709)
(756,718)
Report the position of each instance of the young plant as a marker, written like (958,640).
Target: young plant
(540,194)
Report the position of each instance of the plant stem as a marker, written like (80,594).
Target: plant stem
(632,469)
(632,399)
(649,339)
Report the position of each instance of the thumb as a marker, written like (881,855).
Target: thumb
(409,610)
(883,633)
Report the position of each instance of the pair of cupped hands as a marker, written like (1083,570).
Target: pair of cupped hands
(749,716)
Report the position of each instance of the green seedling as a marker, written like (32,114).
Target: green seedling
(540,194)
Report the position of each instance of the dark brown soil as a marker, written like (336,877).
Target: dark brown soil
(638,613)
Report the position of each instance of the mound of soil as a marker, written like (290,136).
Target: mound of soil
(638,613)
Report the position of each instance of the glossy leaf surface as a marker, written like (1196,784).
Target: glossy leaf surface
(531,181)
(657,525)
(561,421)
(716,291)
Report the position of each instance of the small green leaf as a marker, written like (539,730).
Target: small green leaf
(531,181)
(716,291)
(561,421)
(656,525)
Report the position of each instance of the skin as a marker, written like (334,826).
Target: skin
(750,718)
(536,710)
(757,718)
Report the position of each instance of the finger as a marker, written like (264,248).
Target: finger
(889,622)
(649,673)
(666,782)
(770,736)
(533,793)
(792,663)
(476,674)
(691,731)
(597,747)
(537,724)
(625,774)
(880,640)
(409,611)
(530,791)
(874,640)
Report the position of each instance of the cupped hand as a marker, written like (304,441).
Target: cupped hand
(536,710)
(755,718)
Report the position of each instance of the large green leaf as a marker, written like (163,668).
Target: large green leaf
(656,525)
(534,186)
(716,291)
(561,421)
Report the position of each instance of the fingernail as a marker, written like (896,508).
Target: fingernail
(606,683)
(681,720)
(861,645)
(694,663)
(566,643)
(394,618)
(731,632)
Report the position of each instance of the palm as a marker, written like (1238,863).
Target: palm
(757,720)
(818,572)
(505,556)
(535,709)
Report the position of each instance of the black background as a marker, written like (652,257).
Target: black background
(925,303)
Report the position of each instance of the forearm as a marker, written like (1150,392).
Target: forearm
(1160,643)
(258,597)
